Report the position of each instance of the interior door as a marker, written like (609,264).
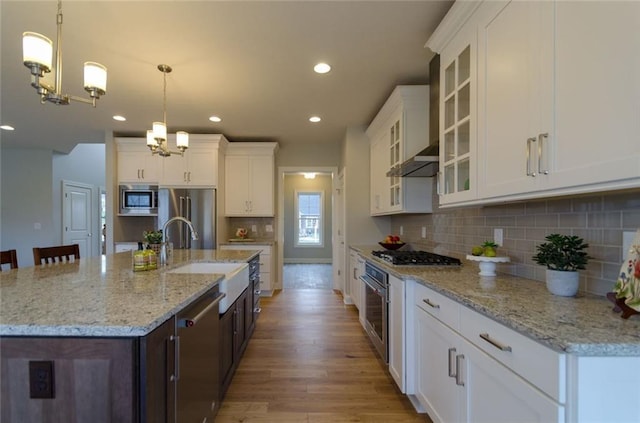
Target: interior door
(77,212)
(339,252)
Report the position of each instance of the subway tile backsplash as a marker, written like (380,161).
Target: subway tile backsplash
(599,219)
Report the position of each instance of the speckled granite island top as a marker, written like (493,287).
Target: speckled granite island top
(102,296)
(582,325)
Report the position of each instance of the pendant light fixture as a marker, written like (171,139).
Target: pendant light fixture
(37,52)
(157,137)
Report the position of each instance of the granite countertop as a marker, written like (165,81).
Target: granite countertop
(584,325)
(102,296)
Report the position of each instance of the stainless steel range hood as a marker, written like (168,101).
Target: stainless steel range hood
(423,164)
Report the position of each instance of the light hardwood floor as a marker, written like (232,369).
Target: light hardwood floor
(310,361)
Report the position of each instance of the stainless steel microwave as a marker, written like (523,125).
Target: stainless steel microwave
(139,200)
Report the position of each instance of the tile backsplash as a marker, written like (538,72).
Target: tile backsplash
(599,219)
(261,224)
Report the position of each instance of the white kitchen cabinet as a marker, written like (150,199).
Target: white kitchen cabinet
(197,168)
(249,179)
(135,163)
(398,132)
(356,267)
(267,264)
(457,381)
(397,359)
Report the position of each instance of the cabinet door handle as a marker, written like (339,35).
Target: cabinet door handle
(354,274)
(459,359)
(530,141)
(452,352)
(542,150)
(430,304)
(142,171)
(176,358)
(189,177)
(499,345)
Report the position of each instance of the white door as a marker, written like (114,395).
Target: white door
(77,221)
(339,251)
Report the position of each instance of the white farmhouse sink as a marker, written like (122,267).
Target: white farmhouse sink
(236,278)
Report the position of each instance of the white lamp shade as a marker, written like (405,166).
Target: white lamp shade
(159,131)
(182,139)
(95,76)
(151,142)
(38,49)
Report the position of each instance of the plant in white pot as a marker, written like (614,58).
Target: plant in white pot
(563,255)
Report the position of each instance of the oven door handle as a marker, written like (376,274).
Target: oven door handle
(374,286)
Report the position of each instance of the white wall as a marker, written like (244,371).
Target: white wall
(26,201)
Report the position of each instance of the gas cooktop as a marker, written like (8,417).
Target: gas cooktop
(420,258)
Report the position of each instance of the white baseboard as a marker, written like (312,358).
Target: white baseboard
(308,261)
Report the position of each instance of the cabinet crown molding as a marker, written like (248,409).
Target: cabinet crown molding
(455,18)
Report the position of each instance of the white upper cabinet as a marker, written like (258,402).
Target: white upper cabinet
(553,117)
(249,179)
(399,131)
(136,165)
(197,168)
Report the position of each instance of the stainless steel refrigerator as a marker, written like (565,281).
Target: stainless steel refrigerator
(195,205)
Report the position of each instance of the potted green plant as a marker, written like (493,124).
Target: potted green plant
(563,255)
(153,240)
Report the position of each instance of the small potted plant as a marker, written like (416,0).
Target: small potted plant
(563,255)
(153,240)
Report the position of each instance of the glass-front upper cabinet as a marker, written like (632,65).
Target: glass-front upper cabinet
(395,155)
(458,120)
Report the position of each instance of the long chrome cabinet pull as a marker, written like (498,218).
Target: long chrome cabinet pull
(430,304)
(499,345)
(543,148)
(188,322)
(452,353)
(176,357)
(530,141)
(459,359)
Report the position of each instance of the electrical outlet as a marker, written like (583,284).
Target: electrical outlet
(254,228)
(401,230)
(424,231)
(498,236)
(268,228)
(41,382)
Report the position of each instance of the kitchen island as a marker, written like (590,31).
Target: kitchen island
(108,333)
(471,348)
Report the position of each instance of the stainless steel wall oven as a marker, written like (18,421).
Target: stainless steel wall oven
(376,302)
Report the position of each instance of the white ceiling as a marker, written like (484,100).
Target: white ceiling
(249,62)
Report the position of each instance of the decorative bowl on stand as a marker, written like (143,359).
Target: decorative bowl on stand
(392,246)
(488,264)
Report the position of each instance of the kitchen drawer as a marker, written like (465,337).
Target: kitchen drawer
(439,306)
(540,365)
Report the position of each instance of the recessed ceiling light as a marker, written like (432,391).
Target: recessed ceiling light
(322,68)
(119,118)
(215,119)
(7,127)
(314,119)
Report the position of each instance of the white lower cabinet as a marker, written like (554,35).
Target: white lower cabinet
(456,380)
(397,357)
(267,264)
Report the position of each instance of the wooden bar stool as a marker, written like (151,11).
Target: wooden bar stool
(9,257)
(59,253)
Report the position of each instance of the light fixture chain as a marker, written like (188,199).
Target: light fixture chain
(58,70)
(164,101)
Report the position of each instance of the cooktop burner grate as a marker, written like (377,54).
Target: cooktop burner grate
(421,258)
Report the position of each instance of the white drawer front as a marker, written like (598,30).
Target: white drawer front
(439,306)
(540,365)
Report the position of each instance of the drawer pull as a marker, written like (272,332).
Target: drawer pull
(452,353)
(459,359)
(430,304)
(497,344)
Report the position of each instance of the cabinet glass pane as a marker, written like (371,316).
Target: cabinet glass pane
(463,138)
(449,179)
(392,155)
(449,112)
(397,138)
(464,65)
(464,102)
(392,135)
(450,78)
(397,154)
(463,175)
(449,146)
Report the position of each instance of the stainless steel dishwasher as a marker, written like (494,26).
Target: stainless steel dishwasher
(198,360)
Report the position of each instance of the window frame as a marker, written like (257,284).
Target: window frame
(321,218)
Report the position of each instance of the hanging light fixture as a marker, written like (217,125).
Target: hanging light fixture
(37,52)
(157,137)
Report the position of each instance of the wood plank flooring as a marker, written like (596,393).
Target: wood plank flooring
(309,360)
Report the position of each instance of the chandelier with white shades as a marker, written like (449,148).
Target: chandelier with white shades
(37,55)
(157,137)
